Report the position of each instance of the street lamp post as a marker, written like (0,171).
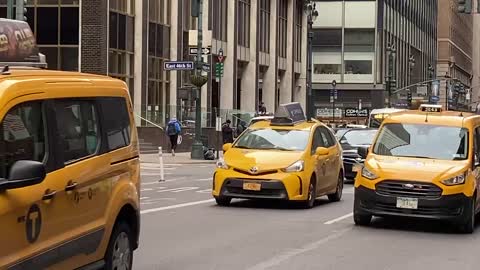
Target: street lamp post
(431,72)
(198,80)
(312,15)
(411,62)
(391,82)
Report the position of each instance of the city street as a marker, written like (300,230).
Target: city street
(183,228)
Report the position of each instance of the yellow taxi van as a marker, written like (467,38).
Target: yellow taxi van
(423,163)
(69,169)
(284,158)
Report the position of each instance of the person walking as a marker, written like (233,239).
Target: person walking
(227,132)
(173,130)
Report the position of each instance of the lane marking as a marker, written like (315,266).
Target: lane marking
(203,179)
(146,189)
(176,190)
(144,198)
(338,219)
(153,210)
(209,190)
(157,182)
(279,259)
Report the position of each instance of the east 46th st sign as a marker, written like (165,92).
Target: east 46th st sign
(188,65)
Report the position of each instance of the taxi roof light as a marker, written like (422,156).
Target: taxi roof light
(431,108)
(288,115)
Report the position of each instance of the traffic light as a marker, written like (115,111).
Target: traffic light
(465,6)
(393,83)
(219,70)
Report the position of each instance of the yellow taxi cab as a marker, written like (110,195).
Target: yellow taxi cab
(285,158)
(69,168)
(423,163)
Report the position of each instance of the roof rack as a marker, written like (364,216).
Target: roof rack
(23,64)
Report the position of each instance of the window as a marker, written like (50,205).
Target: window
(358,67)
(477,146)
(78,128)
(327,68)
(317,141)
(22,136)
(243,23)
(328,140)
(274,139)
(117,122)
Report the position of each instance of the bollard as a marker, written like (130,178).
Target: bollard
(160,156)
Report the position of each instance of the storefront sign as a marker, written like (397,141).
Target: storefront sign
(354,112)
(17,42)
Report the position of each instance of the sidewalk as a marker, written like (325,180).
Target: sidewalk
(179,158)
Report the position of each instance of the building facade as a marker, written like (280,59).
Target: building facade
(455,54)
(350,46)
(263,41)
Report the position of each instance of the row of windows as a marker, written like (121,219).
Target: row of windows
(243,23)
(282,28)
(217,21)
(79,127)
(264,25)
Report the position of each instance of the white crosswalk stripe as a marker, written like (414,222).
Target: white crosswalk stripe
(176,190)
(209,190)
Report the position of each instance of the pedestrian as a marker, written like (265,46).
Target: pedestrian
(173,130)
(227,132)
(262,110)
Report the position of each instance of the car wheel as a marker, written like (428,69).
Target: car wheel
(337,196)
(223,201)
(362,219)
(312,196)
(119,254)
(468,226)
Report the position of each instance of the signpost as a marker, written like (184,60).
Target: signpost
(178,65)
(333,97)
(435,97)
(218,128)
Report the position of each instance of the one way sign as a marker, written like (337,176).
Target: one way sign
(205,51)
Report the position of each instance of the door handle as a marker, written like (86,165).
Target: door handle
(71,186)
(49,194)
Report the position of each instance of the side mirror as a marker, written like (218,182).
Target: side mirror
(226,147)
(363,152)
(24,173)
(322,151)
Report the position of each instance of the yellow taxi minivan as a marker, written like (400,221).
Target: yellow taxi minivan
(285,158)
(69,170)
(425,164)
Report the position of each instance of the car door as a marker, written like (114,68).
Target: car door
(334,158)
(27,214)
(86,187)
(320,162)
(476,162)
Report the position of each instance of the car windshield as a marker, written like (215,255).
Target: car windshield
(422,141)
(288,140)
(359,137)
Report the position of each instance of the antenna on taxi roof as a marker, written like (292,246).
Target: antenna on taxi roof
(6,70)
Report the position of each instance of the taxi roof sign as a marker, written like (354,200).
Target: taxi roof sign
(17,44)
(431,108)
(289,114)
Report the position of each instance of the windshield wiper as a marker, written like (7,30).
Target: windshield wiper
(242,147)
(416,157)
(276,148)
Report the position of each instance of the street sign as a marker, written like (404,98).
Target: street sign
(435,98)
(359,104)
(220,56)
(205,51)
(206,67)
(178,65)
(335,94)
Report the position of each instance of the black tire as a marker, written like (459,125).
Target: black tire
(223,201)
(312,195)
(468,225)
(362,219)
(119,253)
(337,196)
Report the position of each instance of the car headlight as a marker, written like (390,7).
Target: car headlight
(368,174)
(457,180)
(295,167)
(221,164)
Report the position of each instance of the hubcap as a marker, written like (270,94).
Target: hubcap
(310,193)
(121,253)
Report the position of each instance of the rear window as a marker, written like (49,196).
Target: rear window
(117,122)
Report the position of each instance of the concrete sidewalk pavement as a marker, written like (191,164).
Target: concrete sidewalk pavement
(179,158)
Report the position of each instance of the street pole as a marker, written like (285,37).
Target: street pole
(309,102)
(20,12)
(333,96)
(9,9)
(197,146)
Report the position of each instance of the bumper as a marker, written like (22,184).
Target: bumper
(279,186)
(447,207)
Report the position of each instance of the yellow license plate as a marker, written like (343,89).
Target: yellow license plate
(252,186)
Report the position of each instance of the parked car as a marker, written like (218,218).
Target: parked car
(350,141)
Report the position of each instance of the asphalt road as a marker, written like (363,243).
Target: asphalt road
(183,229)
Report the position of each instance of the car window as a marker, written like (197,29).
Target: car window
(117,122)
(22,136)
(317,140)
(78,128)
(291,140)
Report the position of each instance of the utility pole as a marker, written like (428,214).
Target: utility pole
(431,72)
(333,97)
(21,10)
(391,82)
(198,80)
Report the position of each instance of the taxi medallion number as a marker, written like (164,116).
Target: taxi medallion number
(252,186)
(407,203)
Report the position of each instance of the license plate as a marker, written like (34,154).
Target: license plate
(252,186)
(407,203)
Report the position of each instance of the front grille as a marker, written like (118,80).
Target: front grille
(408,189)
(269,189)
(422,210)
(256,174)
